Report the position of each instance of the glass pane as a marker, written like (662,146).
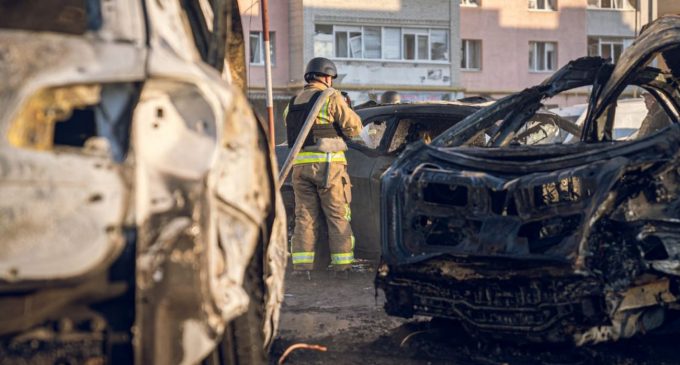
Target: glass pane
(392,43)
(475,54)
(439,45)
(606,4)
(532,56)
(341,44)
(606,51)
(372,45)
(533,4)
(463,54)
(594,3)
(552,4)
(409,46)
(372,133)
(255,48)
(593,46)
(355,45)
(541,4)
(323,40)
(540,54)
(618,48)
(551,56)
(423,51)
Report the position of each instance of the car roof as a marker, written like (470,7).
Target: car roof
(434,108)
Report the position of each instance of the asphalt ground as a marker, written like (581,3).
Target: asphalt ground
(346,317)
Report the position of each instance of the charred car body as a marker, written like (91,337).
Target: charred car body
(576,240)
(139,220)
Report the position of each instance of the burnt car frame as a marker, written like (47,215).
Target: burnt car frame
(576,242)
(139,217)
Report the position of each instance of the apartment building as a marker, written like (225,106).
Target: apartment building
(508,45)
(279,39)
(612,25)
(379,45)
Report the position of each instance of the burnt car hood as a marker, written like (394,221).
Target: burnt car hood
(493,202)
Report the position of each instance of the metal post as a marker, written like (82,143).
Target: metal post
(268,69)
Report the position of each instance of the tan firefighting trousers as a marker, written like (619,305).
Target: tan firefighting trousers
(311,199)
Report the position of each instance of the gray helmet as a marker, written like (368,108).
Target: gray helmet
(321,66)
(390,97)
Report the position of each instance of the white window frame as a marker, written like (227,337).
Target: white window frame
(349,29)
(625,3)
(611,42)
(272,39)
(546,2)
(466,44)
(534,44)
(416,32)
(422,31)
(470,3)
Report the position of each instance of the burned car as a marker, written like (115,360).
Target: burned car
(139,218)
(388,130)
(574,240)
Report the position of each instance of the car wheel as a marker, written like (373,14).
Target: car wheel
(243,338)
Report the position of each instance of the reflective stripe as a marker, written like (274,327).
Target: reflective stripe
(353,241)
(324,116)
(342,258)
(314,157)
(303,257)
(348,213)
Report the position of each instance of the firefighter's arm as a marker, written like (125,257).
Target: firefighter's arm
(347,119)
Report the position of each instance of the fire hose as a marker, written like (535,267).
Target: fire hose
(306,128)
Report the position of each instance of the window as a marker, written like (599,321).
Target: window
(381,43)
(323,40)
(471,3)
(439,45)
(372,134)
(392,47)
(542,56)
(348,42)
(471,54)
(607,47)
(415,44)
(372,42)
(543,5)
(257,47)
(612,4)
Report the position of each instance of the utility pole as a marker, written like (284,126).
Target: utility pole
(268,69)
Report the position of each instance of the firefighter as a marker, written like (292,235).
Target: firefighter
(320,180)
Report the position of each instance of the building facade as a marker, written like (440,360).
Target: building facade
(437,49)
(380,45)
(508,45)
(279,39)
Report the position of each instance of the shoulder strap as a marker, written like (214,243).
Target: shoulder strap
(311,102)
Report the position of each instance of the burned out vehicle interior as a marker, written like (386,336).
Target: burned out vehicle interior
(526,228)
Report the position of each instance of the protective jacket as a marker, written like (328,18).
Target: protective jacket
(335,121)
(320,181)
